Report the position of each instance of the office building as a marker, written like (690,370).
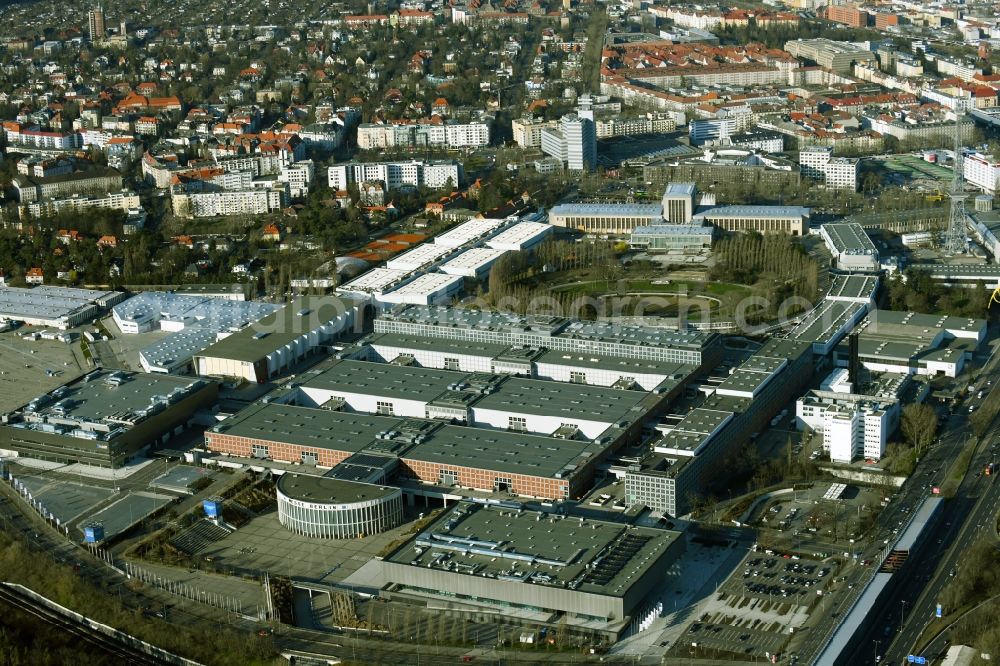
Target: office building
(574,141)
(854,424)
(836,172)
(982,171)
(705,130)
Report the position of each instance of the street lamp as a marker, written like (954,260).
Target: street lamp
(876,650)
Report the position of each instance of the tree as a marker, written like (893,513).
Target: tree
(919,425)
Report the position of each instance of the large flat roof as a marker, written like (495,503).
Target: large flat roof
(19,303)
(520,233)
(616,363)
(425,286)
(444,318)
(502,451)
(849,237)
(468,231)
(694,431)
(374,281)
(384,379)
(418,257)
(441,345)
(586,555)
(852,287)
(581,401)
(826,321)
(917,326)
(279,328)
(105,402)
(307,426)
(477,258)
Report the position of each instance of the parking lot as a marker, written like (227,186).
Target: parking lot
(780,578)
(756,610)
(31,367)
(749,637)
(810,516)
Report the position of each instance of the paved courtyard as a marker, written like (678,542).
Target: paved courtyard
(264,545)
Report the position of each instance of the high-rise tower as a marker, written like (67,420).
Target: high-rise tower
(96,20)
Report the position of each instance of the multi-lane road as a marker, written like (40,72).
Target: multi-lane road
(892,632)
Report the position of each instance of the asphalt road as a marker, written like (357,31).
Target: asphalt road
(891,633)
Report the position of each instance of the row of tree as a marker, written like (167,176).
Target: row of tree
(776,262)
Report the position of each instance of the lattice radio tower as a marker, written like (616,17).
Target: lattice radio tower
(955,242)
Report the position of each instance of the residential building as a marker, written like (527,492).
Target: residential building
(122,200)
(396,175)
(528,131)
(982,171)
(835,172)
(95,21)
(449,134)
(29,188)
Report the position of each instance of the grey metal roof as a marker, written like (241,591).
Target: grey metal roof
(326,490)
(755,211)
(609,209)
(307,426)
(277,329)
(579,401)
(850,237)
(561,549)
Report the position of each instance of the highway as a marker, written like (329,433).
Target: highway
(978,501)
(894,629)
